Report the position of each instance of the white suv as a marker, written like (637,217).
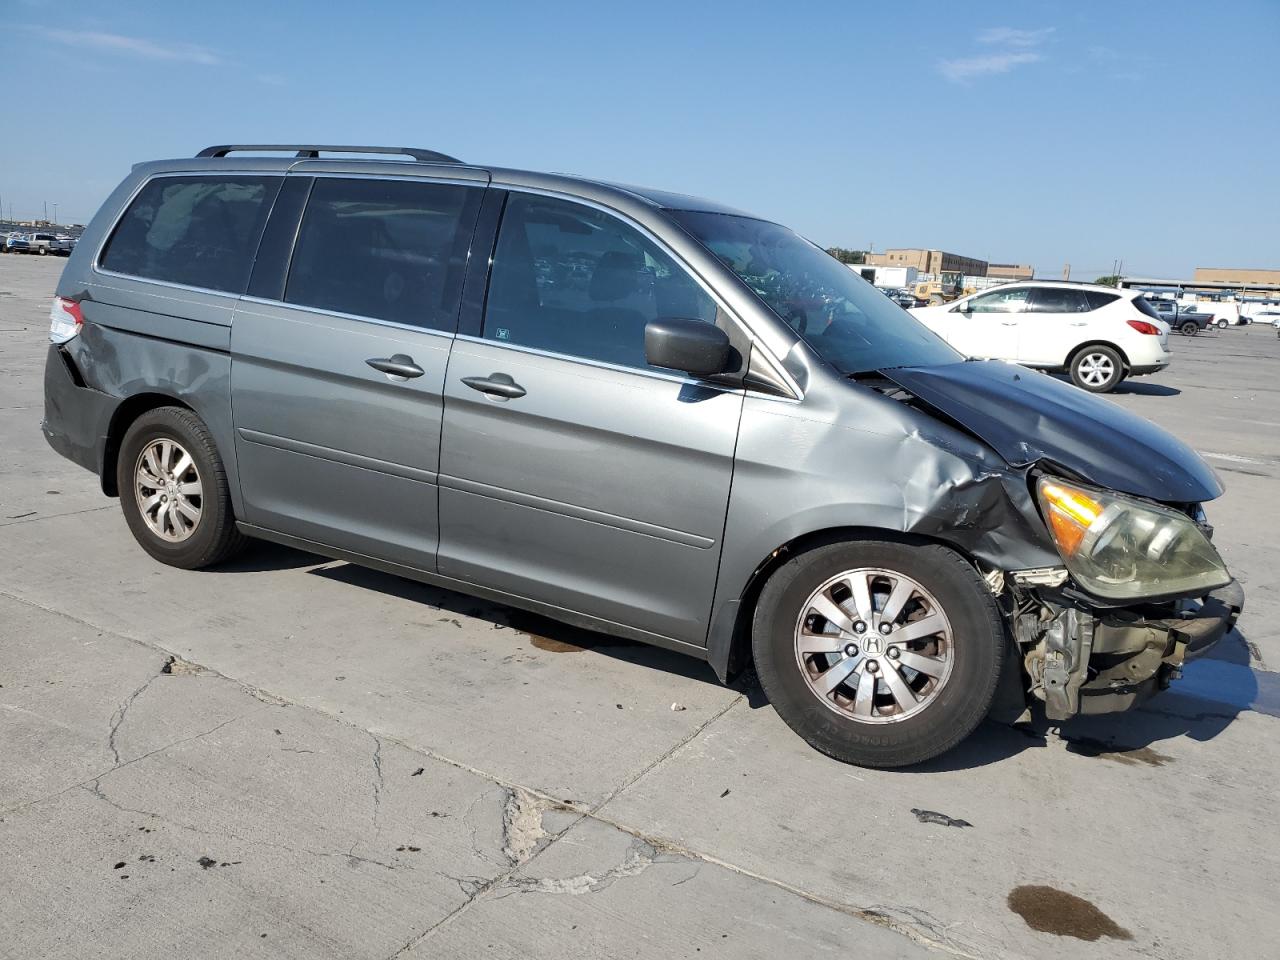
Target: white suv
(1099,335)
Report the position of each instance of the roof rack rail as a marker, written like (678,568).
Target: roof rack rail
(313,150)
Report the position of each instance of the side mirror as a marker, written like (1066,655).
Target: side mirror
(692,346)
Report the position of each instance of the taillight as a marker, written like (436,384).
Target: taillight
(1150,329)
(65,320)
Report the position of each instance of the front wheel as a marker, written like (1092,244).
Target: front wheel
(173,490)
(1097,369)
(879,653)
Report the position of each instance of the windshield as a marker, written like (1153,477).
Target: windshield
(851,324)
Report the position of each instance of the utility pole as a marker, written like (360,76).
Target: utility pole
(46,211)
(55,214)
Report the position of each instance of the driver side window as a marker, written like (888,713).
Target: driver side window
(574,280)
(1000,301)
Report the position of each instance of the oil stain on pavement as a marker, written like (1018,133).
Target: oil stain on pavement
(1063,914)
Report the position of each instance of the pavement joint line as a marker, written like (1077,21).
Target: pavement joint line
(869,915)
(53,516)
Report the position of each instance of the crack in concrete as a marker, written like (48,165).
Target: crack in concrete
(882,916)
(117,718)
(95,789)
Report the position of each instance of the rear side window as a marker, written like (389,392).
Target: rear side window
(1099,299)
(1145,308)
(199,231)
(386,249)
(574,280)
(1058,300)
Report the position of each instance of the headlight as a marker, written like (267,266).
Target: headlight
(1121,549)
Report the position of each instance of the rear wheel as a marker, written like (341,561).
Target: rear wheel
(1189,328)
(174,492)
(878,653)
(1097,369)
(1222,324)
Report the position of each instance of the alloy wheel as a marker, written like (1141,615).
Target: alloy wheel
(169,490)
(1096,369)
(874,645)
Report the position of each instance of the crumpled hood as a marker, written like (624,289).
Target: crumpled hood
(1027,416)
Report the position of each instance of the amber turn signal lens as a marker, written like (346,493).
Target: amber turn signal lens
(1070,514)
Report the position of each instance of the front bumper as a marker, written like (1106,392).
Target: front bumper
(1105,661)
(1134,659)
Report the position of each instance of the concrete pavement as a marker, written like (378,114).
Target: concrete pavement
(294,757)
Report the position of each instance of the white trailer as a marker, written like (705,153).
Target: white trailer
(887,277)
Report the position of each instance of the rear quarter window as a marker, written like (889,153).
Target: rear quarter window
(1099,299)
(199,231)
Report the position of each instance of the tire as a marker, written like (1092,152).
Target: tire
(1097,369)
(173,535)
(1189,329)
(1222,324)
(892,729)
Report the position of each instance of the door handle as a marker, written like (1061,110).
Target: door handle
(496,385)
(397,365)
(1008,323)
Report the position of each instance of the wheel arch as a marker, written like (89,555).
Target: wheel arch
(124,416)
(1076,351)
(729,642)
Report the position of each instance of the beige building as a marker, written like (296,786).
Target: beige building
(1241,275)
(928,261)
(1011,271)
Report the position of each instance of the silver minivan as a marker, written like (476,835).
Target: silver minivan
(635,411)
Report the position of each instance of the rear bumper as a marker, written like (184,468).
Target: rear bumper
(1147,369)
(76,417)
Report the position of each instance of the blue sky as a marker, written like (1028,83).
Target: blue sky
(1041,133)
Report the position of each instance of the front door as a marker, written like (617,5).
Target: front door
(336,383)
(571,472)
(986,326)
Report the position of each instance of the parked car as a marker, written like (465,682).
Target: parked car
(1191,322)
(1224,313)
(1186,322)
(15,243)
(1270,315)
(395,364)
(1167,310)
(1099,335)
(38,243)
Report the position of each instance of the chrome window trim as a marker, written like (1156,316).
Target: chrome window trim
(263,301)
(752,337)
(662,245)
(600,364)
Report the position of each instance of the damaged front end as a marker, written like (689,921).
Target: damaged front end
(1079,659)
(1140,589)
